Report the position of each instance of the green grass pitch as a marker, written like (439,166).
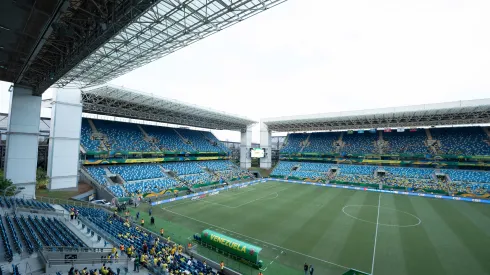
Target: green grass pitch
(337,229)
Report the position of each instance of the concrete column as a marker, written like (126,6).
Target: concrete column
(245,145)
(265,142)
(22,139)
(64,143)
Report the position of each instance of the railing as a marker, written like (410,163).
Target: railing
(56,212)
(74,249)
(95,261)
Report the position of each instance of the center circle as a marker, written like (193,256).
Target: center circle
(414,220)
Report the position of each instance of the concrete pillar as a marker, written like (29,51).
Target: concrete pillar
(22,139)
(64,143)
(265,142)
(245,145)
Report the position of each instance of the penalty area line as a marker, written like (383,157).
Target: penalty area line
(282,252)
(264,242)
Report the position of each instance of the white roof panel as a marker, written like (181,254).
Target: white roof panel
(449,113)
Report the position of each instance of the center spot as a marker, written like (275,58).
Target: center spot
(387,216)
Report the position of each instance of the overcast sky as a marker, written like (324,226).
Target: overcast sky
(317,56)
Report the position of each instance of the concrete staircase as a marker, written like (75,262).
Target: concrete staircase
(306,143)
(487,131)
(173,175)
(433,144)
(212,142)
(148,138)
(427,132)
(98,135)
(92,126)
(285,142)
(184,140)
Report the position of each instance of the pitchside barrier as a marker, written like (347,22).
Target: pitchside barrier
(204,194)
(386,191)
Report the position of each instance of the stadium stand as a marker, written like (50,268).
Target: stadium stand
(132,236)
(120,136)
(98,173)
(87,138)
(197,140)
(137,171)
(283,168)
(147,178)
(183,168)
(406,142)
(294,143)
(167,139)
(415,179)
(359,143)
(321,143)
(462,140)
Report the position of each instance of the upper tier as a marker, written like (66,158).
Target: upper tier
(112,136)
(469,141)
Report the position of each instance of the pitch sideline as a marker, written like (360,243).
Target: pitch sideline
(270,244)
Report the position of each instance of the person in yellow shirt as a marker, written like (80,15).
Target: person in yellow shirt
(161,232)
(152,251)
(143,222)
(114,249)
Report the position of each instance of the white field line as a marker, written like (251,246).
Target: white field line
(233,207)
(221,195)
(272,261)
(264,242)
(376,235)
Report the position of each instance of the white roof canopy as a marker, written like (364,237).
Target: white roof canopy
(122,102)
(450,113)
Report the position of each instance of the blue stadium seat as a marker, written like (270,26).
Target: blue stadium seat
(294,143)
(406,142)
(462,140)
(357,143)
(322,142)
(132,235)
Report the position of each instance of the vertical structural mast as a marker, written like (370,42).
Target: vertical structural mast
(265,142)
(64,144)
(22,139)
(245,145)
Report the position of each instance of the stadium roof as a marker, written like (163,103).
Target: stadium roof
(162,29)
(122,102)
(450,113)
(88,42)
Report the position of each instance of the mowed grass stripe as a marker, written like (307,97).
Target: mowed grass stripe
(313,216)
(237,198)
(252,217)
(390,252)
(420,255)
(477,217)
(481,208)
(308,224)
(359,238)
(476,243)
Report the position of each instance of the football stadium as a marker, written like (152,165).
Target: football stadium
(123,181)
